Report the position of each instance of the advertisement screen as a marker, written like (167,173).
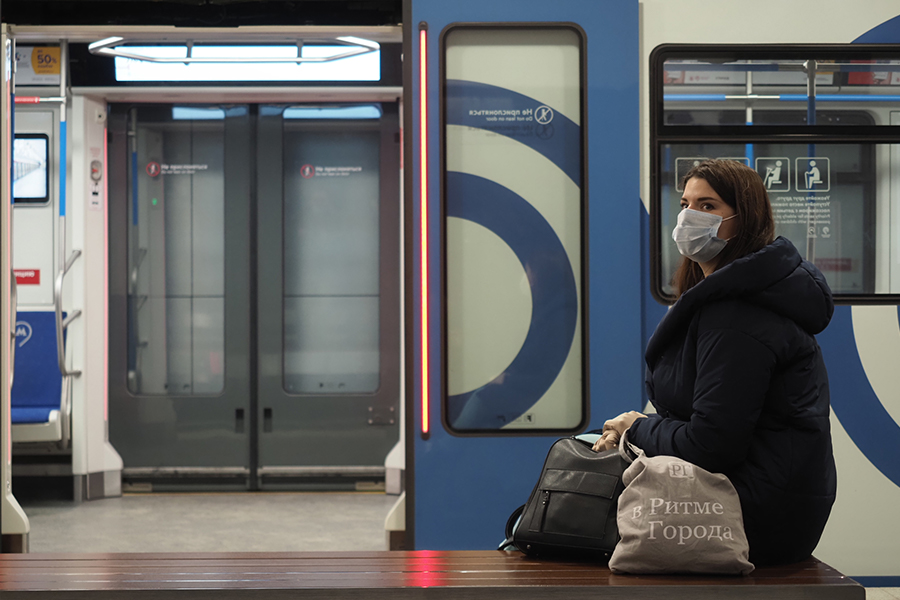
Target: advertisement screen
(30,171)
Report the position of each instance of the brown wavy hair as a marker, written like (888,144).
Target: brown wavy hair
(743,190)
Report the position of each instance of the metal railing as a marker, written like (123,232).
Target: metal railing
(13,311)
(63,324)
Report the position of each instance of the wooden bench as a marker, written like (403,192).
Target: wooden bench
(466,575)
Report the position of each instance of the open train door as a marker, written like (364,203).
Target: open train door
(523,312)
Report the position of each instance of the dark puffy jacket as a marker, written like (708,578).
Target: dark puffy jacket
(740,386)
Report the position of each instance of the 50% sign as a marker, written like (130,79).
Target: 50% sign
(45,60)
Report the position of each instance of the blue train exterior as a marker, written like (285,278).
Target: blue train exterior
(465,484)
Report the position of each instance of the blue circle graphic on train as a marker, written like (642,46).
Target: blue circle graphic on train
(886,33)
(554,302)
(853,399)
(525,230)
(472,104)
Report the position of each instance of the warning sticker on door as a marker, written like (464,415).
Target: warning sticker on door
(308,171)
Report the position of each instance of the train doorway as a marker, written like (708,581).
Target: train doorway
(254,294)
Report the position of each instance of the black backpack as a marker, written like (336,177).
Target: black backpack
(572,510)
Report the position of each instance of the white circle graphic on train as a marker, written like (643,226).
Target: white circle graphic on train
(877,333)
(487,291)
(521,170)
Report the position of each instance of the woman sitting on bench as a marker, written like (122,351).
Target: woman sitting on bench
(733,369)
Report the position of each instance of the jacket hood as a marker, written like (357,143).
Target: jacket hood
(775,278)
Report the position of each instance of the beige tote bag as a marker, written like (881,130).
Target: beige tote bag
(675,517)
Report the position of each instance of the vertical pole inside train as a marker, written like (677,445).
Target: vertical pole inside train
(63,145)
(811,67)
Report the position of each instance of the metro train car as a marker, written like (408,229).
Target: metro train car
(441,230)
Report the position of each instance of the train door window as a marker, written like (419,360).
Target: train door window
(826,220)
(176,251)
(331,256)
(816,123)
(893,159)
(514,221)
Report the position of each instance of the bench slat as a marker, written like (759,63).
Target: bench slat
(468,575)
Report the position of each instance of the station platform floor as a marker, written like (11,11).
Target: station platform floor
(212,522)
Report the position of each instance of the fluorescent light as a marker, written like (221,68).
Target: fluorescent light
(250,64)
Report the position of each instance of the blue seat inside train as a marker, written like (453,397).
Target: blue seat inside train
(37,386)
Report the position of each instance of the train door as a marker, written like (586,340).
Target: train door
(253,308)
(328,291)
(525,293)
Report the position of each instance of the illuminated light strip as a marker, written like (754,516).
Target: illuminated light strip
(105,196)
(423,217)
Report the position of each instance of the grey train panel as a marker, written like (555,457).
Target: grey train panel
(328,322)
(179,352)
(323,347)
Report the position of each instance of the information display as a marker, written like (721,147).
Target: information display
(31,177)
(514,221)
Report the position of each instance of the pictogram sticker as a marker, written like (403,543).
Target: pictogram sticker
(775,172)
(543,114)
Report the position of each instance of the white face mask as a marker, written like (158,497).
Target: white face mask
(695,235)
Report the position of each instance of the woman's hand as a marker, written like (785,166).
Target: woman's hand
(623,421)
(614,428)
(607,441)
